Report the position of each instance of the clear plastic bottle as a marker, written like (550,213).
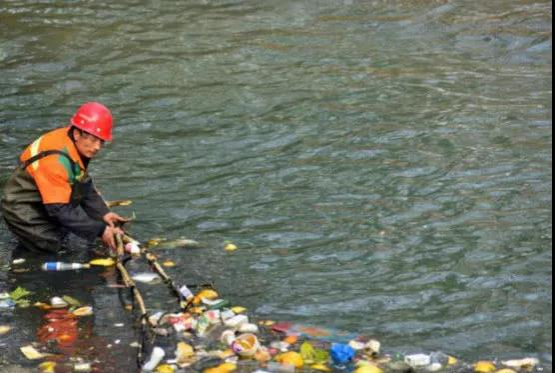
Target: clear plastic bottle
(155,359)
(61,266)
(437,361)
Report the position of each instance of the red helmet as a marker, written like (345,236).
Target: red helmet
(94,118)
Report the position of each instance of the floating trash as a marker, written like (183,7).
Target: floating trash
(71,301)
(18,261)
(205,294)
(291,358)
(522,363)
(103,262)
(57,302)
(342,354)
(32,353)
(83,311)
(48,367)
(17,297)
(7,304)
(484,367)
(82,367)
(184,353)
(246,345)
(211,335)
(180,243)
(418,360)
(230,247)
(147,278)
(5,329)
(155,359)
(165,368)
(123,202)
(61,266)
(368,369)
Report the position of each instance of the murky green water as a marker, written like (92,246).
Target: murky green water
(384,166)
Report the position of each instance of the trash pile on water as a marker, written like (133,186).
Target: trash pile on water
(215,336)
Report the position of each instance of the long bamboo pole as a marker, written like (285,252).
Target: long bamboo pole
(184,302)
(139,300)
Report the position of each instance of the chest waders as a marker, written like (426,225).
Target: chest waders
(24,211)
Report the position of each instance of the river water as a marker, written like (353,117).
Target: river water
(385,167)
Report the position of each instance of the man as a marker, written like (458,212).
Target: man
(50,193)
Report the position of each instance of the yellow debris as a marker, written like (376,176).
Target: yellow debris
(47,367)
(184,353)
(484,367)
(262,355)
(165,368)
(506,370)
(197,310)
(83,311)
(103,262)
(4,329)
(206,294)
(154,241)
(230,247)
(266,323)
(291,339)
(291,358)
(31,353)
(168,264)
(321,368)
(452,360)
(42,306)
(123,202)
(368,369)
(226,354)
(239,310)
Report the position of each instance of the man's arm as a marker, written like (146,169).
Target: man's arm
(93,203)
(76,220)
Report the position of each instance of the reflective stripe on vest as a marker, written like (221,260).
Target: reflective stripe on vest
(34,152)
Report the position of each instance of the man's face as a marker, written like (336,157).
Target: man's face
(87,145)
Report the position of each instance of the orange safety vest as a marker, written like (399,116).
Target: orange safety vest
(53,173)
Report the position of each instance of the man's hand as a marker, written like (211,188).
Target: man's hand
(112,219)
(108,237)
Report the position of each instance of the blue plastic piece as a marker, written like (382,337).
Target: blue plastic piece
(342,354)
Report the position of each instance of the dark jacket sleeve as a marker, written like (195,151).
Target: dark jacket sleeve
(75,219)
(93,203)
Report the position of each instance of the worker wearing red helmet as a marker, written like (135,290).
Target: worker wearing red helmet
(51,194)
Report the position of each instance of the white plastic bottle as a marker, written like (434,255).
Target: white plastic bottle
(61,266)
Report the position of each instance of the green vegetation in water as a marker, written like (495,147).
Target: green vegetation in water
(19,295)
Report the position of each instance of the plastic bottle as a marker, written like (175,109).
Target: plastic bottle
(61,266)
(418,360)
(155,359)
(186,292)
(133,248)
